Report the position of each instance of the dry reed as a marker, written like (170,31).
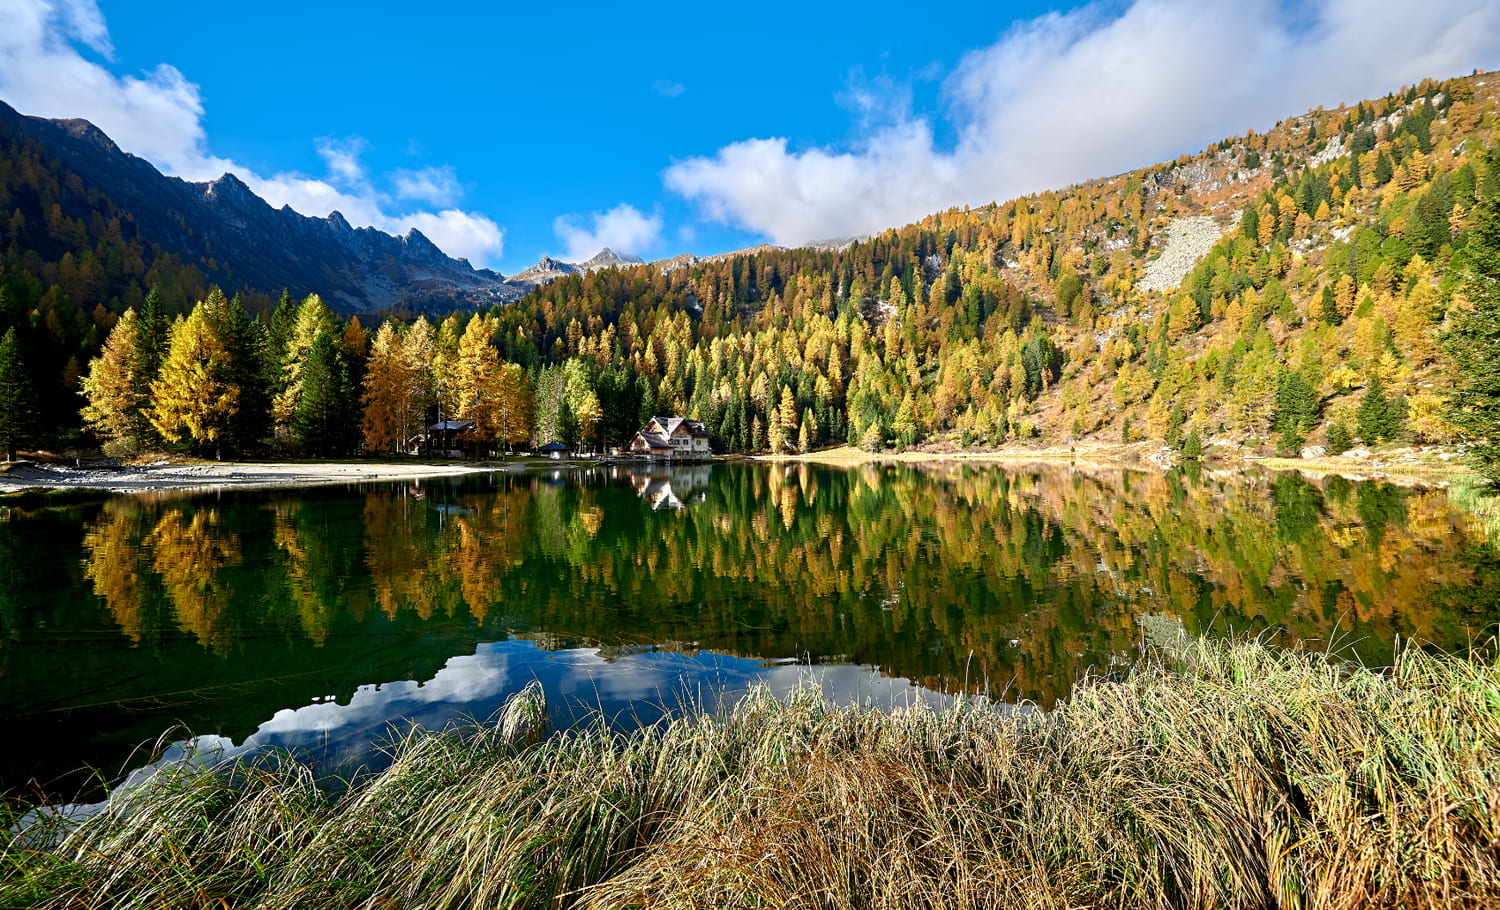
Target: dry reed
(1231,775)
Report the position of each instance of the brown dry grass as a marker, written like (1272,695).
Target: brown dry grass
(1231,775)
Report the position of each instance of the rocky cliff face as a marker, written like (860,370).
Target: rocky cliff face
(241,242)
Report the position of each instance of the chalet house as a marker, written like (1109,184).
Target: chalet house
(450,439)
(671,438)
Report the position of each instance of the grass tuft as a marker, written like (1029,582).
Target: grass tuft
(1227,775)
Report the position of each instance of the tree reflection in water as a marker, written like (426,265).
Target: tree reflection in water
(1010,580)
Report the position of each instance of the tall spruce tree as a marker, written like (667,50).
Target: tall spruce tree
(319,418)
(1370,417)
(1473,341)
(246,342)
(17,398)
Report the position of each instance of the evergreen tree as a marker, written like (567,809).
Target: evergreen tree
(245,341)
(1370,417)
(153,333)
(1339,437)
(324,377)
(283,322)
(1328,309)
(1192,447)
(1291,439)
(567,424)
(1395,417)
(17,399)
(1296,407)
(1473,341)
(313,318)
(1175,423)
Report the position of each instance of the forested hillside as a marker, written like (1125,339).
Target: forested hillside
(1316,316)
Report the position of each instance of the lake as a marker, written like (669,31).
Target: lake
(327,620)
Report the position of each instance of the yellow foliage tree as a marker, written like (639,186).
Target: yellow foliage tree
(195,396)
(113,410)
(386,421)
(512,406)
(474,376)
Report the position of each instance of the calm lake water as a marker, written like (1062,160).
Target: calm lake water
(321,620)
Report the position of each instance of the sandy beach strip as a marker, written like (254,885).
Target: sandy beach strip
(160,477)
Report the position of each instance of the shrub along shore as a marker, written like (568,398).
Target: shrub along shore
(1228,775)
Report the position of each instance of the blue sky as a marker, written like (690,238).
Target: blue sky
(508,131)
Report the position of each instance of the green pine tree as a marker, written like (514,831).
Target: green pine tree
(17,399)
(317,421)
(1291,439)
(1370,417)
(1175,423)
(1328,309)
(567,425)
(1192,447)
(1339,438)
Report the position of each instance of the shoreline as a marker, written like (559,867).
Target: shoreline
(1433,467)
(166,477)
(1407,466)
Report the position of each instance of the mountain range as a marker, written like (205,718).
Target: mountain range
(240,242)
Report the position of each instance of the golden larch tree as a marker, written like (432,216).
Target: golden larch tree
(195,397)
(386,422)
(113,410)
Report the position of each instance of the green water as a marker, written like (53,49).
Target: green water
(314,619)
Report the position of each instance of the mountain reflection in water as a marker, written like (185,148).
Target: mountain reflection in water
(283,617)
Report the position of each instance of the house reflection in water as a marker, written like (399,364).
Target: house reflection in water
(671,489)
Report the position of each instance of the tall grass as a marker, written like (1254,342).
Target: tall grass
(1477,497)
(1230,775)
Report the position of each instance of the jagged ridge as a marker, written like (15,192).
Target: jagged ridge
(241,242)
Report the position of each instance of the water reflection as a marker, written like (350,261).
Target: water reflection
(670,488)
(222,611)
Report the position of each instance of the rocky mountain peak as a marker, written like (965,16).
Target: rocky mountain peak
(231,189)
(606,258)
(417,243)
(85,131)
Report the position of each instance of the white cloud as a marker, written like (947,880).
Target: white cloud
(341,156)
(436,185)
(454,231)
(159,116)
(1067,97)
(623,229)
(667,88)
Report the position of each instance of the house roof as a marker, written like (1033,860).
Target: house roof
(552,447)
(451,426)
(654,439)
(670,425)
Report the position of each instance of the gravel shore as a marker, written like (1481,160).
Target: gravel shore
(146,478)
